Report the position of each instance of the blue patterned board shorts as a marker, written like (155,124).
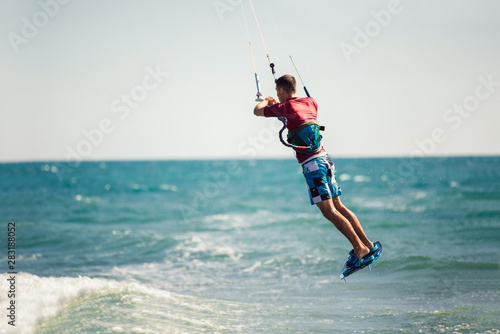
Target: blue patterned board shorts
(320,178)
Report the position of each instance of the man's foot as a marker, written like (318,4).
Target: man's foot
(354,262)
(361,252)
(371,250)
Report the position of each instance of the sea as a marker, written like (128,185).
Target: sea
(234,246)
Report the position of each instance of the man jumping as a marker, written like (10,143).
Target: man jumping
(317,166)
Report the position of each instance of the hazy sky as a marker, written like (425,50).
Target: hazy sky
(159,79)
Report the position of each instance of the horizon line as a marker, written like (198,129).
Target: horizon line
(174,159)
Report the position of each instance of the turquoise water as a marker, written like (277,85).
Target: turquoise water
(235,247)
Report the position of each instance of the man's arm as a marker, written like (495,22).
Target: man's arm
(259,108)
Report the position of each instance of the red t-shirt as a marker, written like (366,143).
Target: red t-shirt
(297,111)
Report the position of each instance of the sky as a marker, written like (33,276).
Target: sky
(160,79)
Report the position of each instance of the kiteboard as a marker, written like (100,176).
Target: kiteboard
(348,270)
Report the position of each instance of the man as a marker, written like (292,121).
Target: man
(318,167)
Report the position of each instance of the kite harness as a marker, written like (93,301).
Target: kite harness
(305,139)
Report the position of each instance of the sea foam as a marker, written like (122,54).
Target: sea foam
(40,298)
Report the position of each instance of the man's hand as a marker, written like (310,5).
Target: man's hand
(259,108)
(270,100)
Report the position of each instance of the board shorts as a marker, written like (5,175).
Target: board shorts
(320,177)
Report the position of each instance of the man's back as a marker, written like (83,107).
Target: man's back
(297,111)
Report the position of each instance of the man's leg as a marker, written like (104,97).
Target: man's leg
(344,226)
(351,217)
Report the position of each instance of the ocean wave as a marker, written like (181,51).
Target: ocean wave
(42,298)
(68,305)
(355,178)
(204,247)
(427,265)
(155,188)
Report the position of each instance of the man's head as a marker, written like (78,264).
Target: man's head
(286,87)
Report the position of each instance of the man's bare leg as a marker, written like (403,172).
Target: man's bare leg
(344,226)
(351,217)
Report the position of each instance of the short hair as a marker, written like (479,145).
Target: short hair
(288,83)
